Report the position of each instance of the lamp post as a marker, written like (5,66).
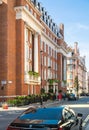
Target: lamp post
(41,98)
(41,68)
(49,73)
(78,80)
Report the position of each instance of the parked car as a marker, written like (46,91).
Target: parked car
(72,96)
(83,94)
(53,118)
(87,94)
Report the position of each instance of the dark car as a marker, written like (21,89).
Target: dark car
(72,96)
(54,118)
(87,94)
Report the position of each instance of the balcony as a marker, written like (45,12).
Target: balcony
(32,80)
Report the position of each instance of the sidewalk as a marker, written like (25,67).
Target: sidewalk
(12,108)
(27,106)
(45,104)
(18,108)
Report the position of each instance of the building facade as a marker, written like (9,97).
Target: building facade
(76,67)
(87,88)
(32,49)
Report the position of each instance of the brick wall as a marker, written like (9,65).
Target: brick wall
(3,45)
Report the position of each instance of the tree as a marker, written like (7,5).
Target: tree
(76,84)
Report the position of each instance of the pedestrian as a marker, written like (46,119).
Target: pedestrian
(56,93)
(60,97)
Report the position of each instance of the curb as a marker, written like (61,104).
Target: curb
(44,104)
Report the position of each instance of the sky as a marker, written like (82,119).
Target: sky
(74,14)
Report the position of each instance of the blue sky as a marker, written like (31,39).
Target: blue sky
(74,14)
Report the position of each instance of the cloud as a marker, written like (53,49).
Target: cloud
(76,32)
(82,26)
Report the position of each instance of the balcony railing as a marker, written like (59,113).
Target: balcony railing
(31,79)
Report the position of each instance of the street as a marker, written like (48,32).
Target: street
(80,106)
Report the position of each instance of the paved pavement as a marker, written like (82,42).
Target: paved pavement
(27,106)
(45,104)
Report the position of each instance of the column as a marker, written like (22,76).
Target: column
(36,52)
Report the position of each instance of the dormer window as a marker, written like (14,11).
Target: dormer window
(32,1)
(46,13)
(46,21)
(49,25)
(31,11)
(72,53)
(43,17)
(39,6)
(43,9)
(35,15)
(35,2)
(27,6)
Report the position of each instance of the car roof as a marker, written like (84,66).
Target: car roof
(52,113)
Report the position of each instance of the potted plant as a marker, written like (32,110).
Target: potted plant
(30,73)
(36,74)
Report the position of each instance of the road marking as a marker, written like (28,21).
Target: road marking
(79,105)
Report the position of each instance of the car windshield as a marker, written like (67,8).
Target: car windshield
(43,114)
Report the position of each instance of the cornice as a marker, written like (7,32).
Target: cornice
(33,7)
(27,17)
(47,37)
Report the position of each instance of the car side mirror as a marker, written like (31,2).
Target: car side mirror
(79,115)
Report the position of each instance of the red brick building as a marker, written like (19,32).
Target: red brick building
(29,41)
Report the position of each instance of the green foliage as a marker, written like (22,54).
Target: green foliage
(76,84)
(50,90)
(30,72)
(25,100)
(51,96)
(64,81)
(51,81)
(57,81)
(42,90)
(36,74)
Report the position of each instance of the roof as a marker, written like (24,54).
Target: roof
(46,115)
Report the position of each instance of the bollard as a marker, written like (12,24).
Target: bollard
(5,106)
(41,100)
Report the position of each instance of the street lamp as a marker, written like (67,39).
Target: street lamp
(41,68)
(49,73)
(41,98)
(77,79)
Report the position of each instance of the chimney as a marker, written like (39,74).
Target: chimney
(62,29)
(76,47)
